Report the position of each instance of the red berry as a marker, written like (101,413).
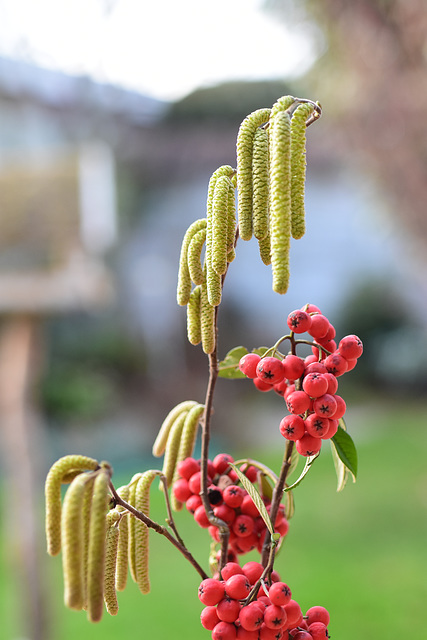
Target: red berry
(311,308)
(351,364)
(275,617)
(193,502)
(243,526)
(220,462)
(231,569)
(224,631)
(270,370)
(201,518)
(214,495)
(248,507)
(308,445)
(186,468)
(225,513)
(209,617)
(281,387)
(237,586)
(279,593)
(244,634)
(317,614)
(233,496)
(299,321)
(350,347)
(292,427)
(228,609)
(302,635)
(282,527)
(181,490)
(315,384)
(318,631)
(265,633)
(293,367)
(211,591)
(332,383)
(315,367)
(336,364)
(250,472)
(333,428)
(341,408)
(325,406)
(195,482)
(251,617)
(319,326)
(298,402)
(262,385)
(293,612)
(316,426)
(331,333)
(253,571)
(248,364)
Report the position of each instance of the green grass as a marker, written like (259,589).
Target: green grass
(362,553)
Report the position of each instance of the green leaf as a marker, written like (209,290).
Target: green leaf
(229,367)
(255,497)
(307,467)
(340,468)
(289,504)
(346,450)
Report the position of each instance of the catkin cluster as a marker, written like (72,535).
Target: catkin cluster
(271,178)
(176,439)
(216,233)
(101,541)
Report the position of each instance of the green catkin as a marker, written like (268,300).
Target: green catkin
(159,445)
(142,503)
(193,257)
(244,146)
(131,526)
(122,564)
(64,470)
(194,332)
(280,200)
(281,104)
(86,509)
(112,539)
(97,540)
(219,225)
(213,287)
(187,443)
(207,322)
(298,167)
(260,182)
(184,280)
(265,249)
(73,542)
(172,447)
(231,224)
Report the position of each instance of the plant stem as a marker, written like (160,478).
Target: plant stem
(277,496)
(159,529)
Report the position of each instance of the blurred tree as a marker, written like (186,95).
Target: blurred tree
(372,77)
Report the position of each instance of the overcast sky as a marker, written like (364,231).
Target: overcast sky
(164,48)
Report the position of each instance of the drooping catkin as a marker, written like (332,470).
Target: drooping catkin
(207,321)
(131,526)
(231,225)
(193,257)
(194,332)
(122,548)
(72,525)
(96,556)
(280,199)
(86,509)
(219,220)
(142,503)
(281,104)
(244,146)
(63,470)
(172,447)
(184,279)
(298,167)
(260,182)
(159,445)
(265,249)
(187,443)
(112,539)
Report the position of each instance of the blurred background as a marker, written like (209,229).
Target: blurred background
(113,115)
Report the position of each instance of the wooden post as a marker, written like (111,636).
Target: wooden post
(21,452)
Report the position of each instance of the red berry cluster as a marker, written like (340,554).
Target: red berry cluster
(231,503)
(308,385)
(231,615)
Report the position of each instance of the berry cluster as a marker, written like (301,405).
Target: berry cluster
(231,503)
(309,385)
(239,606)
